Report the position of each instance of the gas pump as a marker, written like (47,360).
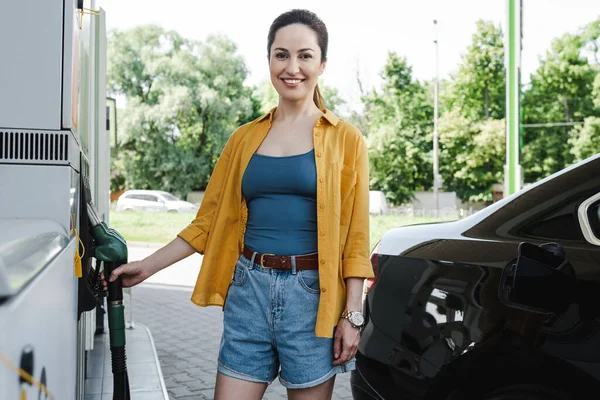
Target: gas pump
(54,197)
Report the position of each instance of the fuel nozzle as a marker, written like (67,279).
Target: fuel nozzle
(109,248)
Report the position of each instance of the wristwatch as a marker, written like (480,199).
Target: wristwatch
(356,318)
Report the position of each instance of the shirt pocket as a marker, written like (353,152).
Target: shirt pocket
(344,193)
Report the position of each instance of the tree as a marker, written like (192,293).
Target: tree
(596,91)
(585,139)
(561,91)
(399,120)
(332,98)
(184,99)
(591,39)
(478,88)
(471,155)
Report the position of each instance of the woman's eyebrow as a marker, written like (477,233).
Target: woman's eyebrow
(299,51)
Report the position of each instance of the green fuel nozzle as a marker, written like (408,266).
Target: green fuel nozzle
(110,248)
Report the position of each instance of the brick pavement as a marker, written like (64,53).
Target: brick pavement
(187,342)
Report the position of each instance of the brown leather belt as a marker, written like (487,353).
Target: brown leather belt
(310,261)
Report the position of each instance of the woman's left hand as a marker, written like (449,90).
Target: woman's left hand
(345,342)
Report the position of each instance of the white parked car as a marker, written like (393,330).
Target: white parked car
(153,200)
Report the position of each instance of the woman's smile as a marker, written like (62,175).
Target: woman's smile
(292,82)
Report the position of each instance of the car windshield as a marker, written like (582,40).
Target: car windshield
(170,197)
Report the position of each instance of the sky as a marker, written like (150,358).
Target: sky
(361,32)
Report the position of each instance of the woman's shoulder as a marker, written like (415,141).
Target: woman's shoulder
(349,129)
(351,133)
(342,126)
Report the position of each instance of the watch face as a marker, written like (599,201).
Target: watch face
(357,319)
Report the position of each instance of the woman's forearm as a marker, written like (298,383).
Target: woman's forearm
(354,290)
(175,251)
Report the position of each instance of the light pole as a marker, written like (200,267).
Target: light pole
(436,177)
(512,168)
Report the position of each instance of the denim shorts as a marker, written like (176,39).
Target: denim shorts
(269,328)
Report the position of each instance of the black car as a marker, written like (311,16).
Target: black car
(501,305)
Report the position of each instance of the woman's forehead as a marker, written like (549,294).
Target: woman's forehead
(296,36)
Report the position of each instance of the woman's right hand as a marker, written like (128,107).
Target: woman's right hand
(131,274)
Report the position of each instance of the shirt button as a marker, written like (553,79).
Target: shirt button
(321,180)
(323,290)
(322,234)
(318,134)
(322,206)
(322,262)
(319,154)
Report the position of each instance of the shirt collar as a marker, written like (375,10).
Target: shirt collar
(329,116)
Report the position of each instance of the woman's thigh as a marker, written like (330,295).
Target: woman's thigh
(306,360)
(324,391)
(228,388)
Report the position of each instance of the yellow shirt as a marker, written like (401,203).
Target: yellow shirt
(342,215)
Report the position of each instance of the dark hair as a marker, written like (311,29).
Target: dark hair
(310,20)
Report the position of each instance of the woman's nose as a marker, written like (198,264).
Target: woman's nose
(292,67)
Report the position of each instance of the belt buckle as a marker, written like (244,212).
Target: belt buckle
(262,259)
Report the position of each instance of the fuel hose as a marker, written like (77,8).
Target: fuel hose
(110,248)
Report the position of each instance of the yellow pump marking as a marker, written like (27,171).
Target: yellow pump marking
(25,375)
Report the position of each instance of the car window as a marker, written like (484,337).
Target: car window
(558,224)
(149,197)
(594,218)
(133,197)
(169,197)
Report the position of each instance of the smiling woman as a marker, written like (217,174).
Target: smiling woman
(284,230)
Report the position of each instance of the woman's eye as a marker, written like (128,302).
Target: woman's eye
(305,56)
(280,55)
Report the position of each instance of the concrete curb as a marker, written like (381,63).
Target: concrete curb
(146,244)
(166,286)
(160,374)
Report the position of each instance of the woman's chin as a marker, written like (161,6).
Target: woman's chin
(286,96)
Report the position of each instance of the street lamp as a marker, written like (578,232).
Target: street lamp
(436,174)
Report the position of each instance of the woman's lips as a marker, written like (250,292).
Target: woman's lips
(289,82)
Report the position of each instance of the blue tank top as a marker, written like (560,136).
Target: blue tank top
(281,195)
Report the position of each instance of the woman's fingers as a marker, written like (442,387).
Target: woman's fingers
(117,272)
(337,345)
(345,342)
(104,283)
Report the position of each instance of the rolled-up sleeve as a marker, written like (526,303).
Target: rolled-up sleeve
(355,262)
(196,233)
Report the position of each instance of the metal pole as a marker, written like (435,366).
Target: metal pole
(436,180)
(512,168)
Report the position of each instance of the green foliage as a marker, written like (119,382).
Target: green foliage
(596,91)
(478,88)
(471,155)
(561,91)
(399,125)
(395,162)
(585,139)
(332,98)
(184,99)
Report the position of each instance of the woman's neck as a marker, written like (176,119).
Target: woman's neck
(294,110)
